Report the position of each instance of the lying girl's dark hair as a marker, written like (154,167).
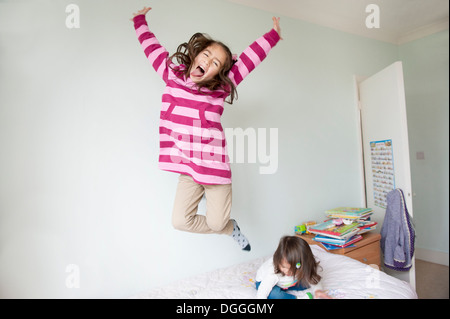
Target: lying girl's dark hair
(295,250)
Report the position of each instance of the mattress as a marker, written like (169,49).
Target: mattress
(342,277)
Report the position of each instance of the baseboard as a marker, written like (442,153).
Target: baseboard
(432,256)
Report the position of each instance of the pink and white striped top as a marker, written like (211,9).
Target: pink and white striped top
(192,140)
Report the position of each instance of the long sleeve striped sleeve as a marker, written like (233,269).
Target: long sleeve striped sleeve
(253,56)
(155,52)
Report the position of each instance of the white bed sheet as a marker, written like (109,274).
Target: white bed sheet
(343,277)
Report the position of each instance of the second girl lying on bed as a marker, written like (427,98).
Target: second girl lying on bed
(293,267)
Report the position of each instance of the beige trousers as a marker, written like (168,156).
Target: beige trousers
(218,207)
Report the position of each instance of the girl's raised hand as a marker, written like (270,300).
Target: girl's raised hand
(276,26)
(143,11)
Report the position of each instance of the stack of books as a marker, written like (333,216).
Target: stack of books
(343,228)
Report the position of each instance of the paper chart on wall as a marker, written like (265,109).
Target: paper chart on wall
(382,159)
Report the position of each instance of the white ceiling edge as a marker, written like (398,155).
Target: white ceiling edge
(424,31)
(324,19)
(413,35)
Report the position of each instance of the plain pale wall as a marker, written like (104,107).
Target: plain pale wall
(81,195)
(426,65)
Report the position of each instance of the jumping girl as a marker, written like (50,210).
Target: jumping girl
(192,140)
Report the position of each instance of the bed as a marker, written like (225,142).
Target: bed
(343,277)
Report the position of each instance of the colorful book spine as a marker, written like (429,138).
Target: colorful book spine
(341,243)
(349,211)
(348,216)
(345,236)
(329,227)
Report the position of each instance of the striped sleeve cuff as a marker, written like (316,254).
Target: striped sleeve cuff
(272,37)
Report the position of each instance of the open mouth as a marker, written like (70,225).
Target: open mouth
(198,72)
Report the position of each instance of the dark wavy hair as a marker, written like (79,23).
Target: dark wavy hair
(295,250)
(188,51)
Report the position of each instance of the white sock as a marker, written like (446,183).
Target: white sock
(239,237)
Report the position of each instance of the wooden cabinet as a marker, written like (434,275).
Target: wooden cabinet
(367,250)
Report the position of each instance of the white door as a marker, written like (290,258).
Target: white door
(385,144)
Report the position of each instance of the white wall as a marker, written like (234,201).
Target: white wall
(426,84)
(79,142)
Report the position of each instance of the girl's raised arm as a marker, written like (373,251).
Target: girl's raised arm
(155,52)
(255,53)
